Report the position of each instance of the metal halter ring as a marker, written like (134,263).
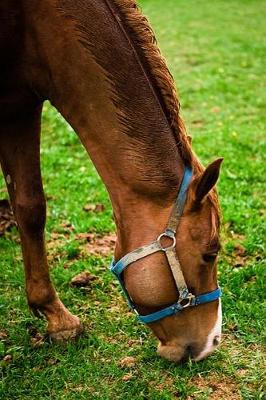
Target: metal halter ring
(169,236)
(187,300)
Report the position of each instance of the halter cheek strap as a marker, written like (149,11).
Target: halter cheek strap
(186,299)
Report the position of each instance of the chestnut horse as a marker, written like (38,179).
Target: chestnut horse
(97,62)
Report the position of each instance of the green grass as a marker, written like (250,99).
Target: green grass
(215,51)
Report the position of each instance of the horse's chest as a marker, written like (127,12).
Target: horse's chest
(11,49)
(11,28)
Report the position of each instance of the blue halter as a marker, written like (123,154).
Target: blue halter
(186,299)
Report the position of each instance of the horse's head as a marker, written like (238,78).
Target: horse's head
(194,330)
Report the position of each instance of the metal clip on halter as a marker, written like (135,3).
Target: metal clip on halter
(167,234)
(186,299)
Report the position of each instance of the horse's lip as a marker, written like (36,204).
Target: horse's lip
(173,352)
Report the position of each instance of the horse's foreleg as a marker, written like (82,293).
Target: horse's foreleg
(19,155)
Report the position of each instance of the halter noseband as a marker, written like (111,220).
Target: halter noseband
(186,299)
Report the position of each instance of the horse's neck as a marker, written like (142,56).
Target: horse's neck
(95,79)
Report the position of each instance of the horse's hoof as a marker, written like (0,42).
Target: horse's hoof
(66,334)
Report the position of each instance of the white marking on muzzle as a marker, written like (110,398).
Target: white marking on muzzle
(215,334)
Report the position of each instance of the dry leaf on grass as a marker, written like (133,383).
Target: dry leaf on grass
(98,245)
(239,262)
(7,359)
(52,361)
(127,362)
(198,122)
(67,227)
(83,279)
(3,335)
(234,235)
(95,208)
(7,220)
(239,256)
(127,377)
(239,250)
(38,340)
(35,337)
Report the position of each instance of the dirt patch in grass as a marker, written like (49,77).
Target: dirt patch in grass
(53,245)
(217,387)
(98,245)
(87,244)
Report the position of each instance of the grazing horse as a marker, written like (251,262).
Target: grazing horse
(97,62)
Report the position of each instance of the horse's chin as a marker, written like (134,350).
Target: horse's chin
(179,354)
(172,353)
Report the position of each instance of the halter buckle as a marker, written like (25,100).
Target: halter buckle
(186,301)
(169,234)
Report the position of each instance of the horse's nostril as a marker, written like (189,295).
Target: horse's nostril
(190,352)
(216,340)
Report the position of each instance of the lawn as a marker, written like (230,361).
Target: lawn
(215,51)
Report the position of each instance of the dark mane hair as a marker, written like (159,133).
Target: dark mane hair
(145,43)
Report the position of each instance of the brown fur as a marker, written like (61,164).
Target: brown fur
(98,63)
(138,31)
(143,39)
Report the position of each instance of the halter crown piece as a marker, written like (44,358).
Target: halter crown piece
(186,299)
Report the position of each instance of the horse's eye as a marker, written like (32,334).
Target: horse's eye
(209,257)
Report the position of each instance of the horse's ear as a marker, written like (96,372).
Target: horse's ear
(207,180)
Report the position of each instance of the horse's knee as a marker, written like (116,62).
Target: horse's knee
(31,215)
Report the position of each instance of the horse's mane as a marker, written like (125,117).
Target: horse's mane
(145,43)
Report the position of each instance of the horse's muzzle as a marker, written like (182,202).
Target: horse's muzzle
(178,353)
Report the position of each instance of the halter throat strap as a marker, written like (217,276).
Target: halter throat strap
(186,299)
